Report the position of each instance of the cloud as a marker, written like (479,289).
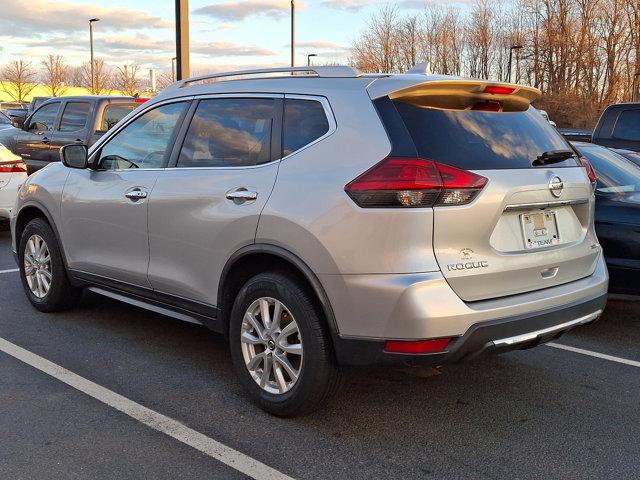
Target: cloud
(35,16)
(318,45)
(226,49)
(238,11)
(348,5)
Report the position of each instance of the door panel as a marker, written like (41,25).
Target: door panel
(104,231)
(34,144)
(194,228)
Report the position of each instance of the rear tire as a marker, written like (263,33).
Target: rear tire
(42,271)
(297,355)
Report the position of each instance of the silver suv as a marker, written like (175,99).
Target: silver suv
(322,218)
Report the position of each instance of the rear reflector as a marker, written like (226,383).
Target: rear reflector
(433,345)
(487,106)
(590,172)
(499,90)
(12,167)
(413,182)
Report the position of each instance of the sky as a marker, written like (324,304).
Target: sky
(224,35)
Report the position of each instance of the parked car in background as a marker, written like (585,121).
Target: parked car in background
(546,116)
(64,120)
(629,155)
(325,219)
(5,121)
(619,127)
(617,215)
(16,113)
(576,134)
(12,106)
(13,173)
(36,102)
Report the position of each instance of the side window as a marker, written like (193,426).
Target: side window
(145,142)
(628,126)
(74,116)
(229,132)
(113,113)
(304,122)
(44,118)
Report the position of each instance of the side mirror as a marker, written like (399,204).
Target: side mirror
(18,122)
(74,156)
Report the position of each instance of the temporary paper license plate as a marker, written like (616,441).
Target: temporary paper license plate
(540,229)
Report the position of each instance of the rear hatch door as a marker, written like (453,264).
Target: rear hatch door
(530,228)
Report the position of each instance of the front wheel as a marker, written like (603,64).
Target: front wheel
(280,346)
(42,271)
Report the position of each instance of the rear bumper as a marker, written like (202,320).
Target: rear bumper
(495,336)
(371,309)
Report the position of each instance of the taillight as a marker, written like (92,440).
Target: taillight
(433,345)
(590,172)
(13,167)
(398,182)
(499,90)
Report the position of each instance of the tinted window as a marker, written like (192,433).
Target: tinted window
(480,140)
(74,116)
(114,113)
(44,117)
(4,120)
(229,132)
(145,142)
(628,126)
(304,122)
(614,173)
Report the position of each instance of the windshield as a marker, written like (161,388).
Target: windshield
(481,140)
(615,173)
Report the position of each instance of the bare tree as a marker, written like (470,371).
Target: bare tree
(56,75)
(19,79)
(102,77)
(126,79)
(163,80)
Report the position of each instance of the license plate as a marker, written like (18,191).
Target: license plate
(540,229)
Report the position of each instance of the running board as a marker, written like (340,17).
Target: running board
(147,306)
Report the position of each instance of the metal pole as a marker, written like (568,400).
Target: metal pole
(173,69)
(182,39)
(309,58)
(293,33)
(91,20)
(510,57)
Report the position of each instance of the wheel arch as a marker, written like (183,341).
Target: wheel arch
(253,259)
(30,211)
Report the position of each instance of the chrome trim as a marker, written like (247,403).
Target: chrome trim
(526,337)
(559,203)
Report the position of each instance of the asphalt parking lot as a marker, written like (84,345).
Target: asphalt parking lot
(545,412)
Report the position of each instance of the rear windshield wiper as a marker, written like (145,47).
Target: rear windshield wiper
(552,156)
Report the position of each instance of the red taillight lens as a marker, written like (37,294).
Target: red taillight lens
(414,182)
(434,345)
(487,106)
(13,167)
(499,90)
(140,100)
(590,172)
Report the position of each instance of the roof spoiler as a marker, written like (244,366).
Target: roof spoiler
(458,94)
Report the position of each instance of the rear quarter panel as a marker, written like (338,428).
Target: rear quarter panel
(310,215)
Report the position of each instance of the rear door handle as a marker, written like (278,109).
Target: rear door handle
(136,194)
(46,140)
(241,195)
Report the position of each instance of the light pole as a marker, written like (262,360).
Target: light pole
(182,39)
(173,68)
(293,33)
(91,22)
(511,49)
(309,58)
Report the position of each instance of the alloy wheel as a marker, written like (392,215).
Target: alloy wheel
(271,345)
(37,266)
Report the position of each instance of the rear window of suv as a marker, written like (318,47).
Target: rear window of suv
(480,140)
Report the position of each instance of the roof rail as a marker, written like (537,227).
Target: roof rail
(340,71)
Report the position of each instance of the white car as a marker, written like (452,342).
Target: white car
(13,173)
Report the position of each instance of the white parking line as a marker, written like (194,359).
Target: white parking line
(234,459)
(11,270)
(603,356)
